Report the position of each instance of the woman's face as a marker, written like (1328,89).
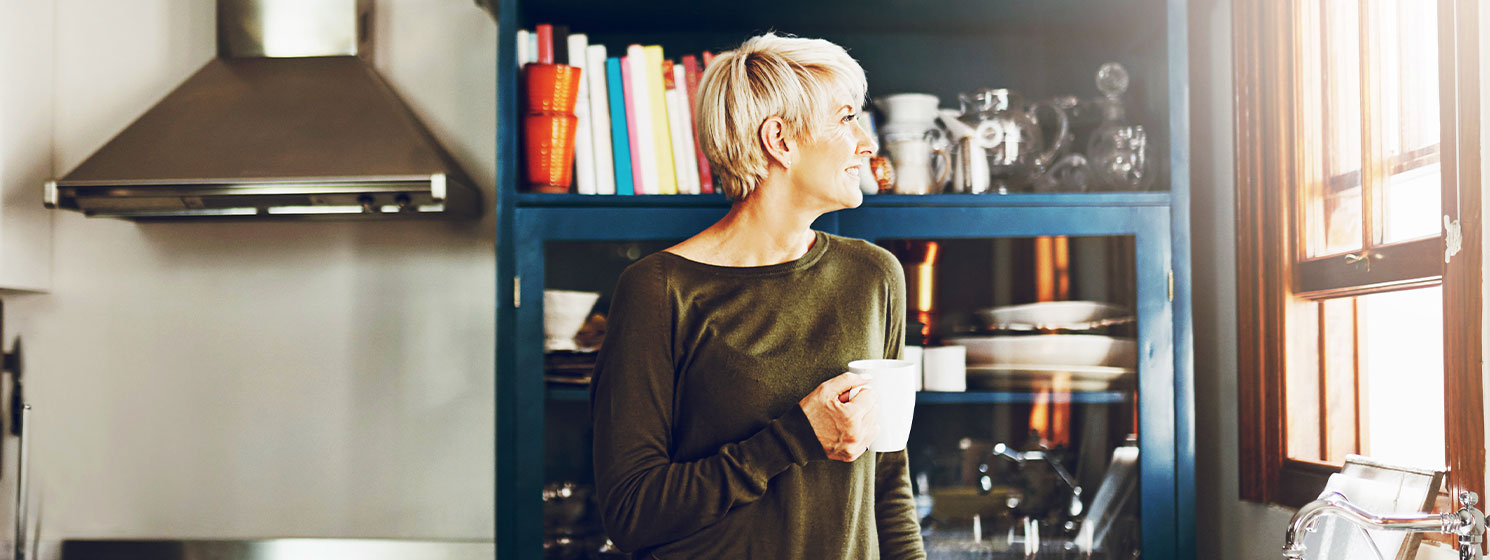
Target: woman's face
(827,167)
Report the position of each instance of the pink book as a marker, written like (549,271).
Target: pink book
(636,161)
(691,73)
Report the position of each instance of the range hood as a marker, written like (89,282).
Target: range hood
(287,121)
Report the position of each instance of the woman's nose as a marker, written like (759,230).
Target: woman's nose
(865,146)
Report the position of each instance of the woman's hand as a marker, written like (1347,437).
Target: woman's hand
(842,418)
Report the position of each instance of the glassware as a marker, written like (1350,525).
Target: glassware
(1117,152)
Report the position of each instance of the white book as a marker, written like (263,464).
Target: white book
(674,109)
(522,47)
(642,109)
(605,170)
(584,148)
(683,157)
(532,47)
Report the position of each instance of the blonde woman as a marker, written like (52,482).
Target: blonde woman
(723,423)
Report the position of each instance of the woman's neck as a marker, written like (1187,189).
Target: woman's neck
(758,231)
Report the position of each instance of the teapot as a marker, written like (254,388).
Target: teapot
(1010,133)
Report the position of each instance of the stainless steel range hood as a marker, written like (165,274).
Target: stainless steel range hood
(288,121)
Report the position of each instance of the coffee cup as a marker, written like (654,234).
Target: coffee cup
(894,386)
(945,368)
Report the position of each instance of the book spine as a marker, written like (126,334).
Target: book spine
(584,143)
(639,116)
(683,157)
(605,178)
(522,47)
(621,131)
(708,59)
(545,33)
(691,75)
(667,181)
(532,48)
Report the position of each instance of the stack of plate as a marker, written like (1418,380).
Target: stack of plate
(1068,360)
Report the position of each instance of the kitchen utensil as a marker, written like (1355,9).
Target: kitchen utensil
(564,312)
(916,354)
(549,125)
(969,159)
(921,166)
(1009,131)
(1054,315)
(1060,350)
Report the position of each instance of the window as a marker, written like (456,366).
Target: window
(1355,336)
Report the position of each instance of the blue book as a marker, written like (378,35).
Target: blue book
(620,139)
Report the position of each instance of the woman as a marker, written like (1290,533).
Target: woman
(724,427)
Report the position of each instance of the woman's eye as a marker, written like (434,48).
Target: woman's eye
(849,117)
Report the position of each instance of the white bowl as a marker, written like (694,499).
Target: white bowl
(1055,315)
(564,312)
(1050,350)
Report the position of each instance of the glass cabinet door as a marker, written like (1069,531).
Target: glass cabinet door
(1024,443)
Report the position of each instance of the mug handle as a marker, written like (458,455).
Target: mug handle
(1063,126)
(945,168)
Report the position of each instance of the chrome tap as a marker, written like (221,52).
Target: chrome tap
(1468,524)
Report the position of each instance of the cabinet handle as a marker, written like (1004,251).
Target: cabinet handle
(517,292)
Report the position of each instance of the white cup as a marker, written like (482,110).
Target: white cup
(913,353)
(945,368)
(893,382)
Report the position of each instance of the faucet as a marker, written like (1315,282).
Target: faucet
(1468,523)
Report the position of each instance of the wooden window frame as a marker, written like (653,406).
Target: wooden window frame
(1267,162)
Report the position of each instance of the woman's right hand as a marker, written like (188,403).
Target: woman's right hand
(842,418)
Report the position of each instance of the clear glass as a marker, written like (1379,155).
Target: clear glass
(1331,88)
(1402,377)
(572,527)
(1408,67)
(971,450)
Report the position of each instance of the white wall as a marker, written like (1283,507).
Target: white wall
(265,379)
(1229,529)
(25,144)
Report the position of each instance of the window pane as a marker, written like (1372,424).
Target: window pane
(1339,378)
(1301,379)
(1408,67)
(1402,377)
(1334,214)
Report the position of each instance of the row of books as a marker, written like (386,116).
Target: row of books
(637,131)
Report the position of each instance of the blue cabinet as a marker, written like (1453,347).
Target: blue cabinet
(1150,33)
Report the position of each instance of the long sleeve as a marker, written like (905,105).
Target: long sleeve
(894,505)
(646,498)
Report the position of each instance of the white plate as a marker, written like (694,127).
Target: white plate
(1044,350)
(1054,378)
(1055,315)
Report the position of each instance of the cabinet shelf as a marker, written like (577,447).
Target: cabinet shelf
(1147,198)
(582,394)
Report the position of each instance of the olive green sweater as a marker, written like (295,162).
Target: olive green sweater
(701,450)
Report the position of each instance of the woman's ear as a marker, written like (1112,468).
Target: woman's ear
(775,143)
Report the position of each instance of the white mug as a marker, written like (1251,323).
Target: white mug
(946,368)
(893,382)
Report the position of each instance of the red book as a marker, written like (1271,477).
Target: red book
(636,147)
(691,75)
(708,58)
(545,43)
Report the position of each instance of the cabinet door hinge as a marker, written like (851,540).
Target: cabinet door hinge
(1453,239)
(1171,284)
(517,291)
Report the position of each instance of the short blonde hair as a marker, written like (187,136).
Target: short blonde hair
(767,76)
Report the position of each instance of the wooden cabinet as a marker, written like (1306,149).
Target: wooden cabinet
(1039,48)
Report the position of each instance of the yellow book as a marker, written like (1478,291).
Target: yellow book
(667,180)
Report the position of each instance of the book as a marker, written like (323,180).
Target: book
(545,33)
(708,59)
(561,44)
(532,47)
(621,132)
(639,118)
(584,143)
(639,110)
(600,129)
(677,111)
(522,47)
(691,75)
(662,142)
